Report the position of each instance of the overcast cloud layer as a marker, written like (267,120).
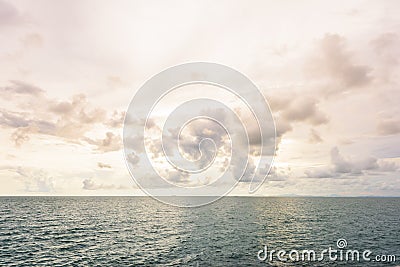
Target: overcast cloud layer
(329,70)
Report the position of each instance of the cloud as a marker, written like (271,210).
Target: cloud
(103,165)
(10,15)
(133,158)
(20,136)
(314,137)
(282,127)
(386,54)
(279,174)
(32,40)
(198,132)
(304,109)
(111,142)
(200,141)
(36,180)
(24,126)
(386,45)
(205,130)
(389,126)
(77,110)
(385,166)
(14,119)
(332,61)
(237,170)
(212,138)
(91,184)
(320,173)
(116,120)
(19,88)
(176,177)
(341,167)
(71,119)
(135,142)
(292,107)
(115,82)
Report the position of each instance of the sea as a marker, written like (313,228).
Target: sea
(234,231)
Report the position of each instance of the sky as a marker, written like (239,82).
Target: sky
(329,71)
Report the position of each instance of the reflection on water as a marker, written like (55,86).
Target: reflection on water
(141,231)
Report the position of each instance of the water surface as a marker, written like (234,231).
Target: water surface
(134,231)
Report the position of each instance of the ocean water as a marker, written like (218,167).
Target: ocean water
(139,231)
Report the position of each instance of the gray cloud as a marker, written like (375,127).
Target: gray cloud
(111,142)
(315,137)
(91,184)
(202,130)
(342,167)
(320,173)
(70,119)
(24,126)
(248,173)
(335,63)
(292,107)
(135,142)
(77,111)
(133,158)
(103,165)
(282,127)
(389,126)
(13,119)
(191,137)
(116,119)
(177,177)
(10,15)
(189,140)
(304,109)
(278,174)
(18,87)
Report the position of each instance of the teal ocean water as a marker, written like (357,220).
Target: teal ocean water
(139,231)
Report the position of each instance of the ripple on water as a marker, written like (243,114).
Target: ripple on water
(87,231)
